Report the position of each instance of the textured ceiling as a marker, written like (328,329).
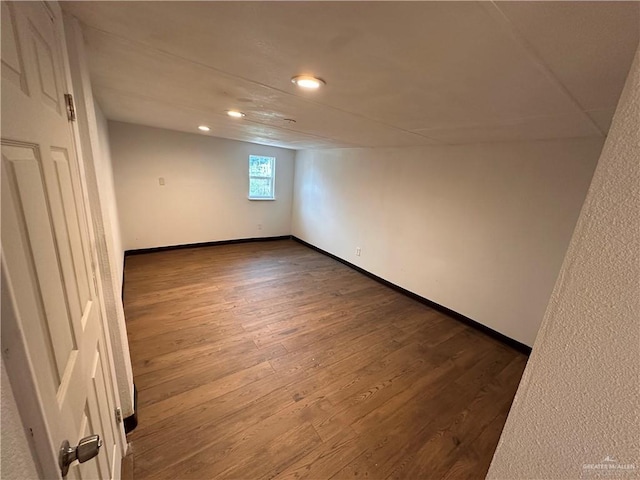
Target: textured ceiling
(397,73)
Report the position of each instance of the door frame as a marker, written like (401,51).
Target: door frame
(86,138)
(14,349)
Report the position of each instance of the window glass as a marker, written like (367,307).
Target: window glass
(262,177)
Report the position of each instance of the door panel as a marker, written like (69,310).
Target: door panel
(72,224)
(98,402)
(45,56)
(12,67)
(46,252)
(23,191)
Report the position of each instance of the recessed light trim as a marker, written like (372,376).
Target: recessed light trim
(204,128)
(308,82)
(235,114)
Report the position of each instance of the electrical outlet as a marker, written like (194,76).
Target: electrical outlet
(161,180)
(358,251)
(259,226)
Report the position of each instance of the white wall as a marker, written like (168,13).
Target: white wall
(104,174)
(16,462)
(579,399)
(480,229)
(205,193)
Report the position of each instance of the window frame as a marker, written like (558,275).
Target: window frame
(272,178)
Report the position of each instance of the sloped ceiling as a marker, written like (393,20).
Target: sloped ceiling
(397,73)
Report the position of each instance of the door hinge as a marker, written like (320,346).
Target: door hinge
(71,108)
(118,415)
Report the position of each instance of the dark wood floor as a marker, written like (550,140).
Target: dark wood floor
(270,360)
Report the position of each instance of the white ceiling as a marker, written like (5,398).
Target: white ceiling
(397,73)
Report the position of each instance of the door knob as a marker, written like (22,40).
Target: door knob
(87,448)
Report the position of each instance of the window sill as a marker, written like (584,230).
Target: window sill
(253,199)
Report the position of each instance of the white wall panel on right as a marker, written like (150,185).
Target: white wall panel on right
(577,411)
(481,229)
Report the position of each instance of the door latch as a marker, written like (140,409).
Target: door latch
(87,448)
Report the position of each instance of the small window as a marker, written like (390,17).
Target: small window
(262,175)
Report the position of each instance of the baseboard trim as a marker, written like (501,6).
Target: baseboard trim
(141,251)
(521,347)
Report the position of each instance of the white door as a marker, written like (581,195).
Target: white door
(51,318)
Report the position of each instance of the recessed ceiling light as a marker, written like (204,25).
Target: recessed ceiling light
(308,82)
(204,128)
(235,114)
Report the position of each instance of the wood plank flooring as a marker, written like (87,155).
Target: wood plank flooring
(270,360)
